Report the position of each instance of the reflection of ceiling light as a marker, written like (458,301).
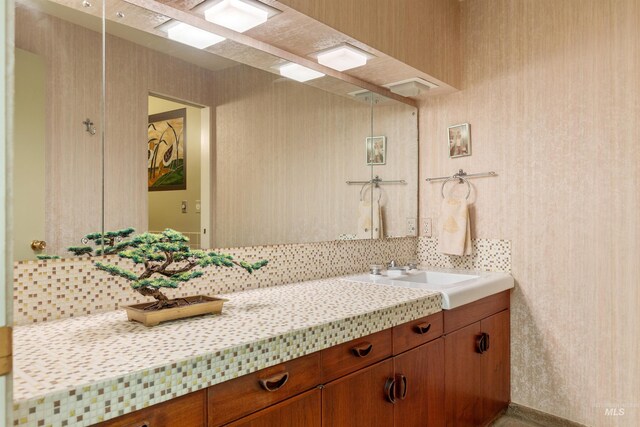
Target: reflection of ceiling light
(410,87)
(236,15)
(344,57)
(187,34)
(298,72)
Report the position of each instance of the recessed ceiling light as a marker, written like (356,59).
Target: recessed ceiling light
(236,15)
(299,73)
(196,37)
(344,57)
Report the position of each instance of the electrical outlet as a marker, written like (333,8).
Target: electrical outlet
(426,227)
(411,227)
(183,206)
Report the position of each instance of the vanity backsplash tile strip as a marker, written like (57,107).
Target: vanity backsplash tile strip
(488,255)
(57,289)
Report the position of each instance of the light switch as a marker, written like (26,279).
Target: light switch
(183,206)
(197,206)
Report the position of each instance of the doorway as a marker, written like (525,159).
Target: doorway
(178,168)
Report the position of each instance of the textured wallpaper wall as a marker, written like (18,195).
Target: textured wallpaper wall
(552,92)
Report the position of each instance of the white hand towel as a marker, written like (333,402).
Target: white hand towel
(369,220)
(454,227)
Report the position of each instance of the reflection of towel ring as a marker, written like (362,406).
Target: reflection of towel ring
(365,186)
(466,181)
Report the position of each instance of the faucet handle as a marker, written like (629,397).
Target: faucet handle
(393,263)
(412,264)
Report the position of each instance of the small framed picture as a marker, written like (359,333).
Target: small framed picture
(459,140)
(376,150)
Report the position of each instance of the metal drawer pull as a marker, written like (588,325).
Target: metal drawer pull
(390,390)
(482,343)
(403,387)
(363,350)
(422,328)
(275,382)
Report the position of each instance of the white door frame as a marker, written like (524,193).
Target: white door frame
(6,270)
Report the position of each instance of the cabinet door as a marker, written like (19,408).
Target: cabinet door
(359,399)
(463,377)
(420,386)
(496,364)
(302,410)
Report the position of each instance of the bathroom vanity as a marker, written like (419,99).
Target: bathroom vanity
(331,352)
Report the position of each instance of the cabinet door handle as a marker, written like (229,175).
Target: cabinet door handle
(480,346)
(362,350)
(403,386)
(486,342)
(275,382)
(422,328)
(140,424)
(390,390)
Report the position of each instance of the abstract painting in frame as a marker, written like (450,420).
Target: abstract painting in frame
(167,151)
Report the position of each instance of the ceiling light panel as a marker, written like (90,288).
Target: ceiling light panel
(196,37)
(236,15)
(299,73)
(344,57)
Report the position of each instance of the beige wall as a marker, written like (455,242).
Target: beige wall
(551,90)
(28,153)
(165,206)
(285,151)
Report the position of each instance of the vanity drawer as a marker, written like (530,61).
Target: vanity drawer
(470,313)
(417,332)
(187,411)
(356,354)
(234,399)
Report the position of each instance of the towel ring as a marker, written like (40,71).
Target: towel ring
(461,181)
(365,186)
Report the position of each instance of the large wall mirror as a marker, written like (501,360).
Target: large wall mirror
(212,141)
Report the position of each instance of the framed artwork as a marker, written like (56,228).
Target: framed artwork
(376,150)
(459,140)
(167,151)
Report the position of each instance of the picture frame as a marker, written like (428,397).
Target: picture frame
(376,150)
(167,151)
(459,139)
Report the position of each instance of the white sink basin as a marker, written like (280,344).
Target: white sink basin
(458,287)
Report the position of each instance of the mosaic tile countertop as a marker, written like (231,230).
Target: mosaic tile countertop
(83,370)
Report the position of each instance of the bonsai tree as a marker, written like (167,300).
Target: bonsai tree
(167,260)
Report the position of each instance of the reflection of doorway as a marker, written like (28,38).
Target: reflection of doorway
(186,149)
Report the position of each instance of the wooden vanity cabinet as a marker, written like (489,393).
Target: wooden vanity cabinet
(447,369)
(477,361)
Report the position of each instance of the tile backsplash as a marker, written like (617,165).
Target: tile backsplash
(488,255)
(56,289)
(70,287)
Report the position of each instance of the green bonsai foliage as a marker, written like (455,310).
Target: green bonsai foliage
(168,261)
(111,241)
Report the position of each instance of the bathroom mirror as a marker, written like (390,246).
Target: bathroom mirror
(57,128)
(217,144)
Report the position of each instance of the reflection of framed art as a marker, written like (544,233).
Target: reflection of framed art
(459,140)
(167,151)
(376,150)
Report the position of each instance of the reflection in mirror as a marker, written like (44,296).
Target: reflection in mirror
(57,158)
(256,158)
